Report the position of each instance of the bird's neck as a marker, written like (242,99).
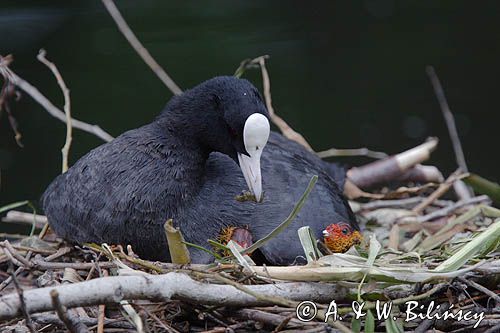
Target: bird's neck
(186,159)
(193,119)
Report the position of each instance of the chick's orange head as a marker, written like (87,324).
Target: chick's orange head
(340,237)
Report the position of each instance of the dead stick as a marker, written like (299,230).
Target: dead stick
(161,287)
(71,323)
(42,264)
(102,309)
(14,216)
(284,323)
(461,189)
(12,253)
(55,112)
(274,299)
(46,319)
(442,189)
(482,199)
(285,129)
(158,321)
(67,107)
(448,117)
(22,301)
(231,328)
(139,48)
(392,167)
(482,289)
(334,152)
(277,120)
(272,319)
(8,280)
(60,252)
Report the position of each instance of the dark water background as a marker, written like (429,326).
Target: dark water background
(343,73)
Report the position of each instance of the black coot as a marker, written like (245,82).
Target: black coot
(184,166)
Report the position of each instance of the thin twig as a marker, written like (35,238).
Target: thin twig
(22,302)
(273,299)
(277,120)
(482,289)
(8,74)
(139,48)
(60,252)
(285,129)
(42,264)
(441,190)
(6,94)
(482,199)
(372,305)
(272,319)
(259,296)
(8,280)
(20,269)
(158,321)
(71,323)
(45,319)
(284,323)
(461,189)
(15,256)
(101,311)
(398,203)
(231,328)
(448,117)
(351,152)
(67,107)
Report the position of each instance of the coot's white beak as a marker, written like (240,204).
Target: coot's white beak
(255,136)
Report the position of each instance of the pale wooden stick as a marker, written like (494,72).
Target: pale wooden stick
(335,152)
(15,216)
(463,191)
(67,107)
(173,285)
(55,112)
(72,323)
(101,311)
(277,120)
(139,48)
(441,190)
(448,117)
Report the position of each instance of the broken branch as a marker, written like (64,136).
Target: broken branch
(180,286)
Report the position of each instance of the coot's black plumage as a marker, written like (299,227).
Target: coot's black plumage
(182,166)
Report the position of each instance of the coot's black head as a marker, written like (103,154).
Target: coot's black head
(227,114)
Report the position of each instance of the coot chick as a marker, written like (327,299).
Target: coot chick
(184,166)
